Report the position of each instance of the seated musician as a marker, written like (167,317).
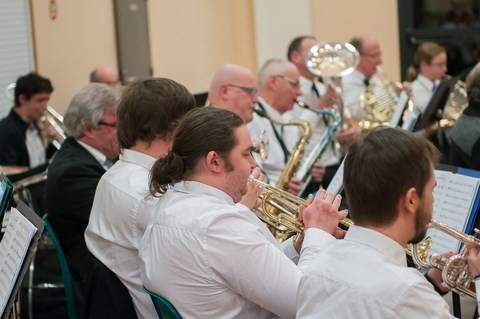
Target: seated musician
(90,122)
(23,142)
(317,96)
(209,257)
(366,274)
(278,82)
(430,66)
(147,114)
(105,74)
(233,87)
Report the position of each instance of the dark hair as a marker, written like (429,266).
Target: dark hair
(150,109)
(296,45)
(379,169)
(357,43)
(200,131)
(31,84)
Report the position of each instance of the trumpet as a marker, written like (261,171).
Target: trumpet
(280,210)
(455,271)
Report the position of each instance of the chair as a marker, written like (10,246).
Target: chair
(164,308)
(66,276)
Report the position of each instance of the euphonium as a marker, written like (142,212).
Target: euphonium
(303,172)
(455,271)
(331,61)
(285,210)
(378,101)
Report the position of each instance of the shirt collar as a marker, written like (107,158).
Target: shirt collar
(389,248)
(95,153)
(138,158)
(425,82)
(203,189)
(270,110)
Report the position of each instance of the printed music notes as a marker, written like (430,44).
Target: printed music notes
(13,249)
(454,197)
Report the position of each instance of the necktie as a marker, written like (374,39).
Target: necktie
(315,90)
(366,82)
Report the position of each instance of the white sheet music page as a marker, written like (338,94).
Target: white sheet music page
(336,183)
(454,197)
(13,249)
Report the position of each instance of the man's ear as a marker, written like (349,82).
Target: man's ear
(214,162)
(410,201)
(295,56)
(22,98)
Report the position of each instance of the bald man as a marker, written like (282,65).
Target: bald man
(234,88)
(356,82)
(105,74)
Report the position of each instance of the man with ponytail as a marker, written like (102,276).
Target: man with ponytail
(147,115)
(209,256)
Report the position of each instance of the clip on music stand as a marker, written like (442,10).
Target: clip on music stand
(36,221)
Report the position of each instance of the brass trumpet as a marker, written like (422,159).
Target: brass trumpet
(280,210)
(455,271)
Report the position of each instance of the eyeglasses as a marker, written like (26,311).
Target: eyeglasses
(248,90)
(373,56)
(114,125)
(293,82)
(439,64)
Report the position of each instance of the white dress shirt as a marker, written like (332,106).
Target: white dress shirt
(213,259)
(422,91)
(366,276)
(120,213)
(317,123)
(274,164)
(353,86)
(35,147)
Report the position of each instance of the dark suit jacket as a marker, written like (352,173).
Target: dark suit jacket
(72,179)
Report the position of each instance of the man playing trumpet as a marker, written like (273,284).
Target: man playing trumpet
(368,269)
(209,257)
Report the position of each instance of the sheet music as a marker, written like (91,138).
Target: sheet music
(13,249)
(399,108)
(336,183)
(454,196)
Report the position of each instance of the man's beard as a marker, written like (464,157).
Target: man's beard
(421,223)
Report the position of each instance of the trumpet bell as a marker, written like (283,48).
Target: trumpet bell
(332,59)
(260,145)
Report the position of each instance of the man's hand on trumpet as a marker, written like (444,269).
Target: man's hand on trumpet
(250,199)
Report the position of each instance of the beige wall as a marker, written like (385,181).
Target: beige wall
(68,48)
(187,45)
(190,39)
(340,20)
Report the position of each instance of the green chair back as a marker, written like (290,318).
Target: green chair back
(66,276)
(164,308)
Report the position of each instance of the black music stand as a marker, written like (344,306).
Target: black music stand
(434,110)
(38,223)
(6,192)
(201,98)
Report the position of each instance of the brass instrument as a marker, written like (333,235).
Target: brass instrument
(379,100)
(303,172)
(280,209)
(456,103)
(297,154)
(50,118)
(260,145)
(331,61)
(455,271)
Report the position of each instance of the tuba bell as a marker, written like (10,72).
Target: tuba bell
(331,61)
(455,270)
